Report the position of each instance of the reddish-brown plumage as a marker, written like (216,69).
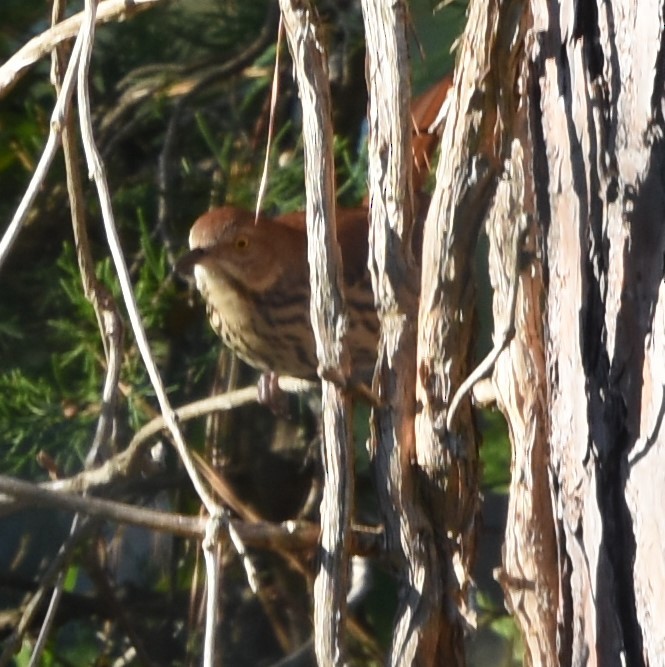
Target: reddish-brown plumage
(255,281)
(255,277)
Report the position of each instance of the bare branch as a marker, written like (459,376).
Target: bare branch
(98,174)
(288,536)
(395,281)
(108,317)
(112,510)
(466,179)
(41,45)
(221,402)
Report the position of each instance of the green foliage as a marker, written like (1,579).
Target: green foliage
(434,39)
(10,333)
(75,644)
(493,618)
(30,419)
(61,404)
(495,452)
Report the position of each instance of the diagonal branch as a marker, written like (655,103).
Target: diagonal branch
(98,174)
(289,536)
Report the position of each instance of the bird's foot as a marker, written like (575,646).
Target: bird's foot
(355,389)
(271,395)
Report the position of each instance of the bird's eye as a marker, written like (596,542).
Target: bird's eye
(242,242)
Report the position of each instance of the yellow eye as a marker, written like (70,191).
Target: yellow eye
(242,242)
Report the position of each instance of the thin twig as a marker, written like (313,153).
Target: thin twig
(112,335)
(54,603)
(228,68)
(211,548)
(507,332)
(274,93)
(57,119)
(37,496)
(220,403)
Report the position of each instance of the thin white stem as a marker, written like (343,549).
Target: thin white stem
(98,174)
(52,144)
(271,122)
(250,570)
(56,596)
(211,556)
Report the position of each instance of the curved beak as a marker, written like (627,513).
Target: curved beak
(185,265)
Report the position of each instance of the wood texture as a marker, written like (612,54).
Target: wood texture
(329,324)
(448,461)
(601,70)
(395,281)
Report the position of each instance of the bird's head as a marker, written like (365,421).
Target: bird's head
(229,245)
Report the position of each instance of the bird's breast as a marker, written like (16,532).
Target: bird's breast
(232,316)
(270,334)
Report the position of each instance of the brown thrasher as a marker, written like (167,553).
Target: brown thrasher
(254,277)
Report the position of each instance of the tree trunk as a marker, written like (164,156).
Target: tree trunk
(599,134)
(577,240)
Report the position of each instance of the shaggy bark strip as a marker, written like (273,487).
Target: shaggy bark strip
(601,89)
(529,576)
(464,184)
(395,281)
(329,323)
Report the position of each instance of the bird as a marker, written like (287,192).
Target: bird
(253,274)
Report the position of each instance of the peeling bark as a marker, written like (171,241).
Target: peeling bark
(394,271)
(600,91)
(448,461)
(328,321)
